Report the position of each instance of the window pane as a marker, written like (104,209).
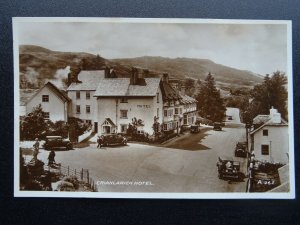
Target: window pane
(78,94)
(77,108)
(265,149)
(45,98)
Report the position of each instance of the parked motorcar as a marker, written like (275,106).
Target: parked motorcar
(229,169)
(217,126)
(195,129)
(114,139)
(241,149)
(53,142)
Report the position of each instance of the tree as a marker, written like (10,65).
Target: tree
(210,104)
(271,93)
(76,127)
(34,125)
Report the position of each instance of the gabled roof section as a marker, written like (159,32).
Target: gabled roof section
(60,93)
(108,121)
(122,87)
(168,92)
(270,123)
(89,80)
(26,95)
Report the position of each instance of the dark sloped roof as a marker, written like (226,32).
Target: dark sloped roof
(60,93)
(185,99)
(269,123)
(122,87)
(168,92)
(89,80)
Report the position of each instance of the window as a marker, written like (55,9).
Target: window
(265,132)
(124,114)
(165,113)
(87,95)
(157,112)
(45,98)
(180,110)
(123,128)
(124,100)
(77,109)
(185,119)
(265,149)
(77,94)
(46,115)
(170,112)
(176,111)
(88,109)
(165,126)
(157,97)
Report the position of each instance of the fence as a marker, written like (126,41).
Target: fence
(82,174)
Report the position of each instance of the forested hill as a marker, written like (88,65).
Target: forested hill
(38,65)
(194,68)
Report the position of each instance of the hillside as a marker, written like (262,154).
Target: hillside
(194,68)
(38,65)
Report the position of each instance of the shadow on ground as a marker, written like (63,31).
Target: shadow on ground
(191,142)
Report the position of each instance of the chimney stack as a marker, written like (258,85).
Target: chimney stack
(134,76)
(107,72)
(166,78)
(275,116)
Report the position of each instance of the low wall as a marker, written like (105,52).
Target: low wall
(84,136)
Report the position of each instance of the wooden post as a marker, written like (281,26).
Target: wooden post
(88,176)
(81,174)
(68,171)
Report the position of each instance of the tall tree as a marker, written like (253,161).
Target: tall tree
(271,93)
(210,104)
(34,124)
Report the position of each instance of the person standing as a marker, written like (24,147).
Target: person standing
(36,147)
(51,158)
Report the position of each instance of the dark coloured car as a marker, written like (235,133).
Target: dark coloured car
(56,142)
(114,139)
(241,149)
(229,169)
(217,126)
(195,129)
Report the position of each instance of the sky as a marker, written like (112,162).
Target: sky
(260,48)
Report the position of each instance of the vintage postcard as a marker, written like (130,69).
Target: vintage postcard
(153,108)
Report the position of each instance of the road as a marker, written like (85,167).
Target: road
(145,168)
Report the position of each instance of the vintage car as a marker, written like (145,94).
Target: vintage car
(56,142)
(229,169)
(114,139)
(195,129)
(217,126)
(241,149)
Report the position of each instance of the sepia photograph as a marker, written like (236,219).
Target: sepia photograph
(153,108)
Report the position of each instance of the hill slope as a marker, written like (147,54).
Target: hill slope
(38,65)
(193,68)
